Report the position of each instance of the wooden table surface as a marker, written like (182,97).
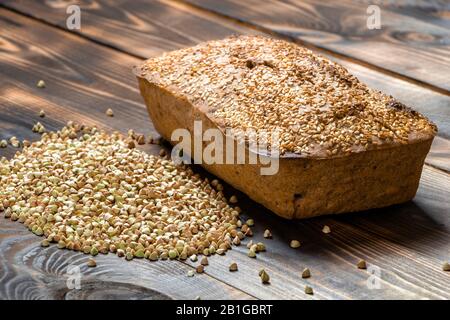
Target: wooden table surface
(88,71)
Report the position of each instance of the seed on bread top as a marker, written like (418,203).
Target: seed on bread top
(317,106)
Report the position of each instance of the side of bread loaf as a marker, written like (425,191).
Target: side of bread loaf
(340,154)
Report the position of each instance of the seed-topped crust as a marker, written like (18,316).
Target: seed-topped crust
(318,108)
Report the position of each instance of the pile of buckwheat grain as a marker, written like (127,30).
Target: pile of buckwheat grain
(88,191)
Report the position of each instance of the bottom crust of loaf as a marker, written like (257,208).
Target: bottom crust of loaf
(303,187)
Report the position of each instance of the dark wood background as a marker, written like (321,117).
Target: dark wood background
(88,71)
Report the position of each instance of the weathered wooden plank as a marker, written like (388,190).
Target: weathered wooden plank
(136,19)
(408,46)
(438,155)
(78,87)
(29,271)
(83,80)
(140,27)
(408,243)
(430,11)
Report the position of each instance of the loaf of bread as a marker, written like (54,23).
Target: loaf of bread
(343,147)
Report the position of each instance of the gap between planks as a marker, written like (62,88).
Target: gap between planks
(198,9)
(317,48)
(79,34)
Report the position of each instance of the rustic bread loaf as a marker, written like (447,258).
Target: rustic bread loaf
(343,146)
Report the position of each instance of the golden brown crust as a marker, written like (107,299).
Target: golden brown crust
(303,187)
(345,147)
(320,109)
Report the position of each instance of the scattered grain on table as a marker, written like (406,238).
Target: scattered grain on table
(38,128)
(200,268)
(41,84)
(131,133)
(295,244)
(260,247)
(13,141)
(306,273)
(446,266)
(204,261)
(233,267)
(265,278)
(361,264)
(110,112)
(251,253)
(309,290)
(91,263)
(140,139)
(45,243)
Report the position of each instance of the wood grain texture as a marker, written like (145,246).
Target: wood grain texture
(406,45)
(83,80)
(408,242)
(29,271)
(102,20)
(430,11)
(140,27)
(438,156)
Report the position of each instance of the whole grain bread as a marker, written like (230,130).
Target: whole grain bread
(343,146)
